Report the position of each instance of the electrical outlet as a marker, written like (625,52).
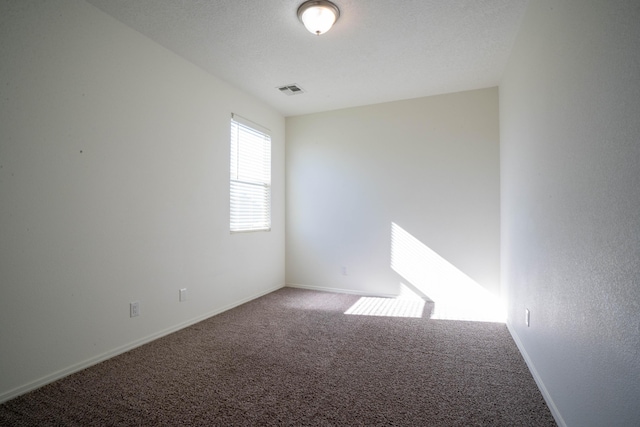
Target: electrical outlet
(344,270)
(527,317)
(183,294)
(134,309)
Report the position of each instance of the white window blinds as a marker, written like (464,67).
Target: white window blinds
(250,177)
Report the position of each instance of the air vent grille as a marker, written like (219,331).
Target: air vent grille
(292,89)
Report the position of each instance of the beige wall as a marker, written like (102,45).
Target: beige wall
(114,188)
(428,165)
(570,169)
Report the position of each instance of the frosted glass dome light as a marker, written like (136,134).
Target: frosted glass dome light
(318,16)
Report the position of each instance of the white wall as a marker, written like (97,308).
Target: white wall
(114,188)
(429,165)
(570,168)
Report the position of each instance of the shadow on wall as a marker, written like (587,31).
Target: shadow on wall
(453,294)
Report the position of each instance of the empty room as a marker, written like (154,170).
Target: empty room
(407,213)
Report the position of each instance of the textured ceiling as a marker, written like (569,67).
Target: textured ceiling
(378,51)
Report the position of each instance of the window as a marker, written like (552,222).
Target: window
(250,176)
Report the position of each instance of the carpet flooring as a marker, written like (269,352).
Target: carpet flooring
(293,358)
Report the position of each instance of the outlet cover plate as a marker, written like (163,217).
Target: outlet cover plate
(134,309)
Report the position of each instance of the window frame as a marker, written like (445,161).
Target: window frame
(249,176)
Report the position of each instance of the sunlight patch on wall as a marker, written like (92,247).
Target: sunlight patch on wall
(455,295)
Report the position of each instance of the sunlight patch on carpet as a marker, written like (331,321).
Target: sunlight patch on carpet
(388,307)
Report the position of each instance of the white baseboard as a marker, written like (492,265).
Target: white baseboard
(339,290)
(123,349)
(545,393)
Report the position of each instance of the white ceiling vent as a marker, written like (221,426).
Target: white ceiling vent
(292,89)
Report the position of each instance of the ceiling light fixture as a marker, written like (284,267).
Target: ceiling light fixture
(318,16)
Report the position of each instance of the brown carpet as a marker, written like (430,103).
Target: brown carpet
(294,358)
